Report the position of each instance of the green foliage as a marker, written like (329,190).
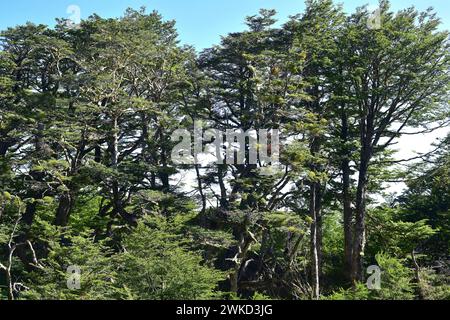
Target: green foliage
(360,292)
(396,279)
(434,286)
(396,283)
(394,236)
(260,297)
(428,197)
(98,274)
(155,265)
(86,176)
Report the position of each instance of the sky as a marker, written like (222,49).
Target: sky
(199,22)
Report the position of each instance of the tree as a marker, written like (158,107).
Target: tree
(88,177)
(398,78)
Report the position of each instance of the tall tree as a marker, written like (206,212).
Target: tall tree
(315,32)
(399,76)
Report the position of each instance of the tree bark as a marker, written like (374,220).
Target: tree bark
(360,223)
(346,199)
(420,290)
(200,188)
(114,164)
(65,207)
(315,248)
(117,201)
(359,241)
(348,219)
(223,190)
(4,146)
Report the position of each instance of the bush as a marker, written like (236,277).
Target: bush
(98,276)
(396,279)
(156,266)
(396,283)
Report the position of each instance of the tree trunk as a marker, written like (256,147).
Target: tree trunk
(346,188)
(98,154)
(35,194)
(360,224)
(117,200)
(319,203)
(315,254)
(420,290)
(200,188)
(117,203)
(4,146)
(65,207)
(346,199)
(223,190)
(163,171)
(245,243)
(114,164)
(348,219)
(9,280)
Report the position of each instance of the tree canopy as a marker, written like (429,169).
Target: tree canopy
(88,182)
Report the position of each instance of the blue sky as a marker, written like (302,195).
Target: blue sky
(199,22)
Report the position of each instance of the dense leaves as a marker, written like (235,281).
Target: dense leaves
(87,179)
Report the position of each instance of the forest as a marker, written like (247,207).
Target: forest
(94,207)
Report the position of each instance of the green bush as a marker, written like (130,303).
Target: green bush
(98,276)
(396,279)
(155,265)
(397,283)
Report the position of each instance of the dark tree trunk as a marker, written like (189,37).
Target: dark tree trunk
(35,194)
(65,207)
(164,176)
(223,190)
(359,240)
(27,221)
(98,154)
(200,188)
(346,199)
(360,223)
(118,206)
(114,163)
(4,146)
(348,219)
